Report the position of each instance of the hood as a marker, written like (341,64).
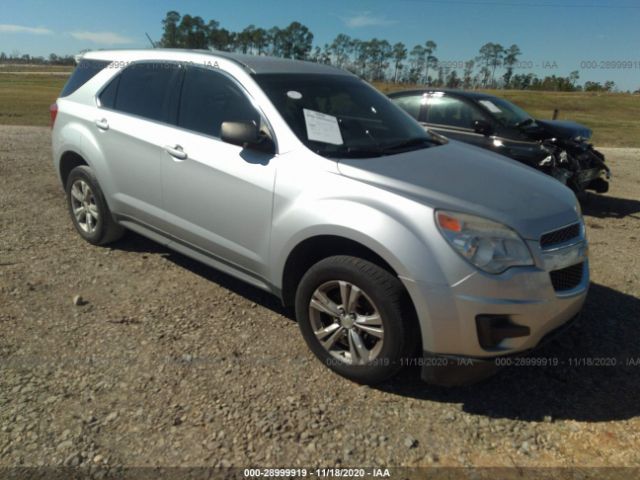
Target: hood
(464,178)
(564,129)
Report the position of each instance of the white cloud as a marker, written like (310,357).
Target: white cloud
(366,19)
(104,38)
(8,28)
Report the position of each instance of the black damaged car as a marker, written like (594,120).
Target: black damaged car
(558,148)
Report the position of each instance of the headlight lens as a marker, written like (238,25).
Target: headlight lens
(488,245)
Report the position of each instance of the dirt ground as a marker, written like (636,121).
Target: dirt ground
(170,363)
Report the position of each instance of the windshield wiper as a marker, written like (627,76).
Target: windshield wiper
(362,152)
(352,152)
(408,143)
(377,151)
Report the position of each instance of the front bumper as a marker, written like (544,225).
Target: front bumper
(456,371)
(593,179)
(524,299)
(593,174)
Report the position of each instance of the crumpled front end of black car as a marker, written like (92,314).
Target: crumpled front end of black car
(577,165)
(573,160)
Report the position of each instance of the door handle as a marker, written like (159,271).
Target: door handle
(176,152)
(102,124)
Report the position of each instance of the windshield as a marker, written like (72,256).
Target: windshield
(340,116)
(506,112)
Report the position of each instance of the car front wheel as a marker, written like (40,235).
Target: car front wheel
(355,317)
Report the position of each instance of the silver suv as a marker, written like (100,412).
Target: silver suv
(395,246)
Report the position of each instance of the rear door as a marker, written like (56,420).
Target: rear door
(217,196)
(136,109)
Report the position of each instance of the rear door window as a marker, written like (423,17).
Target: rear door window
(146,89)
(85,71)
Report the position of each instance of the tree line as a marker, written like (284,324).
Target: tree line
(376,60)
(17,58)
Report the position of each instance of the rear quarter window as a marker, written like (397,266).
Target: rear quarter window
(108,95)
(85,71)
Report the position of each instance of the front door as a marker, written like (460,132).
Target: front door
(217,196)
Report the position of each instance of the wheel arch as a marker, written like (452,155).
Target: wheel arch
(313,249)
(68,161)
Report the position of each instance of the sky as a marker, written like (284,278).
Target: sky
(555,36)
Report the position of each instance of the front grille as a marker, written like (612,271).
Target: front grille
(567,278)
(560,236)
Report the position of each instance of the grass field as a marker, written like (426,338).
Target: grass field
(26,93)
(25,98)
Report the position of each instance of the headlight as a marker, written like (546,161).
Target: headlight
(486,244)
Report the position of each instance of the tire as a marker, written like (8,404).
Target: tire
(389,338)
(93,220)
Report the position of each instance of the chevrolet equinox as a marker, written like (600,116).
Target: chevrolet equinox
(394,245)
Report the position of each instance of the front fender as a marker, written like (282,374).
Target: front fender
(394,238)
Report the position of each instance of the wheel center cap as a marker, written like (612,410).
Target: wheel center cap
(347,320)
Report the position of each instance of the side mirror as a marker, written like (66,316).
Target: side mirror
(246,135)
(483,127)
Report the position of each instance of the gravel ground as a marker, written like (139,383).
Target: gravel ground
(165,362)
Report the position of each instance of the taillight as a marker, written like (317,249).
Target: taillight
(53,111)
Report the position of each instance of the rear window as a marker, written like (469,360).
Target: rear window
(85,71)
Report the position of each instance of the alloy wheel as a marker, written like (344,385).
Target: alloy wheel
(346,322)
(84,207)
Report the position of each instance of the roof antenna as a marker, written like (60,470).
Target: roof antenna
(150,41)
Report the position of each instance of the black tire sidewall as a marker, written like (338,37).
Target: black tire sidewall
(389,360)
(86,174)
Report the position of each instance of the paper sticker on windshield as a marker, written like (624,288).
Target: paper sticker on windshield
(322,128)
(293,94)
(493,108)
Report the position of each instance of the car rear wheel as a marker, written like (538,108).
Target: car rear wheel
(355,318)
(88,209)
